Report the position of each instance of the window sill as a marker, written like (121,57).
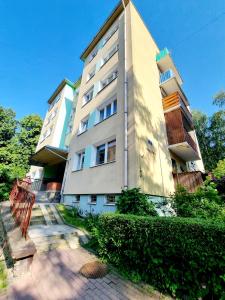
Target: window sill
(107,85)
(86,103)
(107,163)
(90,79)
(110,37)
(91,203)
(109,204)
(108,59)
(105,119)
(77,170)
(80,133)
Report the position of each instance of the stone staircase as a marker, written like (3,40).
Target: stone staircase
(47,196)
(48,231)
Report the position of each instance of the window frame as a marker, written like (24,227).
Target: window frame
(79,161)
(85,101)
(108,80)
(110,202)
(109,34)
(106,156)
(110,54)
(104,109)
(81,128)
(91,199)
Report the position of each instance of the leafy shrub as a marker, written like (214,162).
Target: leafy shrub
(133,201)
(219,171)
(182,256)
(204,203)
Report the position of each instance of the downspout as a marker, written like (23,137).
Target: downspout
(125,102)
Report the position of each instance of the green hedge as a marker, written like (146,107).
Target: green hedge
(185,257)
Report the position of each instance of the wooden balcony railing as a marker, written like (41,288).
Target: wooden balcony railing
(175,100)
(190,180)
(176,132)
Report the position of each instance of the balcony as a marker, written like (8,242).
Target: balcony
(180,141)
(165,62)
(190,180)
(175,101)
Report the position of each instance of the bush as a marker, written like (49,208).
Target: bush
(219,171)
(185,257)
(133,201)
(204,203)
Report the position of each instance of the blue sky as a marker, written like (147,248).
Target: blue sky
(41,42)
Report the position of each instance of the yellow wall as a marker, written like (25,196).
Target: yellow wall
(153,169)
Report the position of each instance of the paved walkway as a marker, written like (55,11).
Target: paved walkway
(55,276)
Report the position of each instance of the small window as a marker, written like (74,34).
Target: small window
(91,74)
(110,199)
(100,156)
(88,96)
(108,110)
(110,34)
(114,106)
(80,160)
(93,199)
(111,155)
(109,79)
(111,52)
(83,126)
(77,197)
(101,115)
(93,54)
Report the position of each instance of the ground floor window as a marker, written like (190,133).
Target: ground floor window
(110,199)
(93,199)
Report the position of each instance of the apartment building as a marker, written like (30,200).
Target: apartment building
(49,160)
(132,125)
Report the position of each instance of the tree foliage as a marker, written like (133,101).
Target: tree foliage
(211,137)
(18,140)
(219,99)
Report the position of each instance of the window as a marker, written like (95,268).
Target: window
(111,52)
(54,113)
(108,110)
(57,98)
(80,161)
(106,153)
(77,198)
(100,156)
(46,134)
(91,74)
(93,199)
(83,126)
(110,34)
(111,154)
(88,96)
(110,199)
(93,54)
(109,79)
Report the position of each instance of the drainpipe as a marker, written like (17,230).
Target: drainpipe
(125,102)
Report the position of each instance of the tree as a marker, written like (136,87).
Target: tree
(219,99)
(211,136)
(7,125)
(17,144)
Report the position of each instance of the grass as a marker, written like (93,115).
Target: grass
(70,217)
(3,277)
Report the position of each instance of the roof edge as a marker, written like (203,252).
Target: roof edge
(103,29)
(59,88)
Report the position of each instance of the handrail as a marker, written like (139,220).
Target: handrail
(21,203)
